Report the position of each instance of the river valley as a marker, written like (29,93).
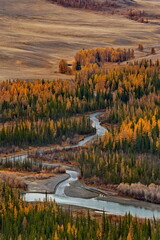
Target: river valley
(69,191)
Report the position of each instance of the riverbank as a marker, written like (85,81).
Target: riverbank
(77,189)
(66,189)
(77,140)
(48,185)
(40,149)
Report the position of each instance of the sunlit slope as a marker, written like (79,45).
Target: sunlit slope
(35,34)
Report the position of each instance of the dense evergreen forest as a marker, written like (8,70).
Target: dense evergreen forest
(45,221)
(24,133)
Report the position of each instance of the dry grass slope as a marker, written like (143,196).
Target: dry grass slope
(35,34)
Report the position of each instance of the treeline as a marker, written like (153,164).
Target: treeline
(108,6)
(29,164)
(101,56)
(149,193)
(138,15)
(21,133)
(112,167)
(20,166)
(46,221)
(86,4)
(48,100)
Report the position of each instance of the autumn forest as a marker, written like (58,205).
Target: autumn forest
(42,113)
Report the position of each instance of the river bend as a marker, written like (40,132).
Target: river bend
(93,203)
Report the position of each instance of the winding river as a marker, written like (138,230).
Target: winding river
(93,203)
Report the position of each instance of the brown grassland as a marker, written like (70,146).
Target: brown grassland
(36,34)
